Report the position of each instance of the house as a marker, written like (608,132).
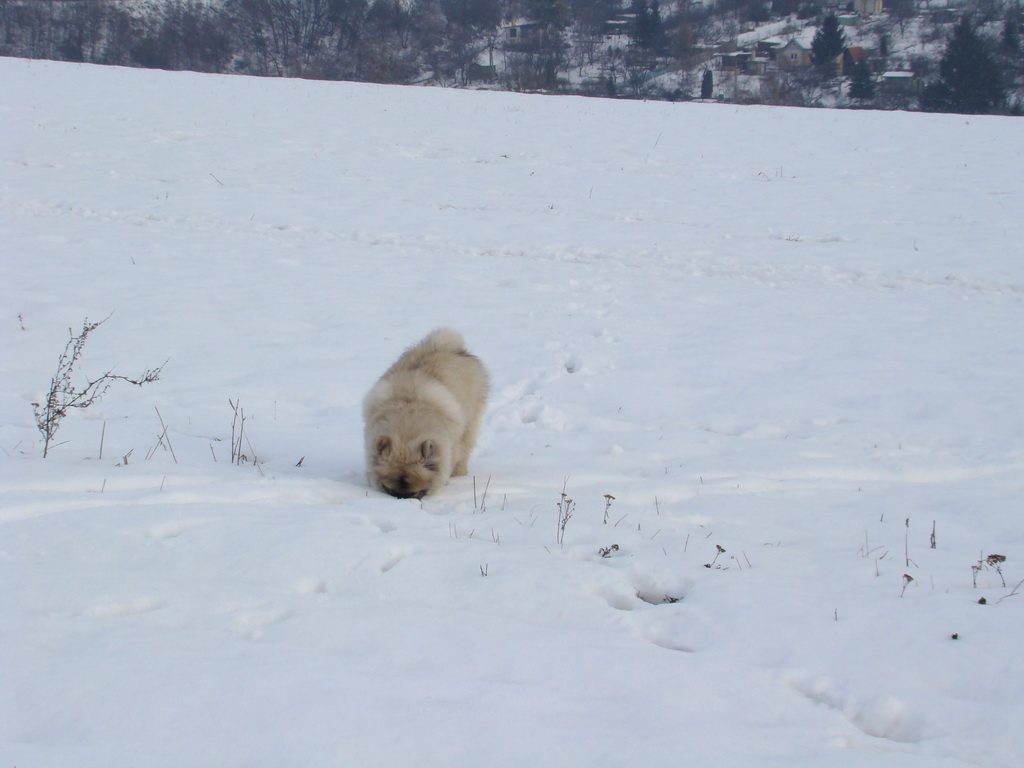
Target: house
(522,35)
(622,24)
(487,73)
(899,83)
(617,28)
(943,15)
(769,47)
(743,63)
(757,65)
(733,62)
(867,6)
(796,54)
(852,56)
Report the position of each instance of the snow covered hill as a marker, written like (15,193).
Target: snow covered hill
(772,357)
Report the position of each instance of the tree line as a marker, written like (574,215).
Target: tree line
(401,41)
(372,40)
(392,41)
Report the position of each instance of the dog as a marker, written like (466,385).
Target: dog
(422,416)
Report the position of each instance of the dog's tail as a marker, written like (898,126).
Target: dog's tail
(443,340)
(439,340)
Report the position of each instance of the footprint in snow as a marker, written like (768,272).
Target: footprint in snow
(169,530)
(395,556)
(127,607)
(252,621)
(881,716)
(310,586)
(641,589)
(539,415)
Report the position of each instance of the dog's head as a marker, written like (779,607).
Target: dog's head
(407,470)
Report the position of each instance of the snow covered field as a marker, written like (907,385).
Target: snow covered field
(787,342)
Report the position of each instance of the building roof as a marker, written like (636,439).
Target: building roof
(798,42)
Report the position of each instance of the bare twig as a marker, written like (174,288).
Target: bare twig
(63,395)
(906,543)
(483,499)
(719,551)
(164,436)
(255,460)
(1015,590)
(565,510)
(993,562)
(237,432)
(907,579)
(237,425)
(482,506)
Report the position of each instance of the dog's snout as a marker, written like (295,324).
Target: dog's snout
(402,490)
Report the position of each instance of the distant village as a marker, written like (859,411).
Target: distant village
(814,53)
(771,61)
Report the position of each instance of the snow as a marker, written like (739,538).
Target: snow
(766,31)
(794,335)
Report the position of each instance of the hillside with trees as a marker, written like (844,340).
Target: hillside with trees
(888,54)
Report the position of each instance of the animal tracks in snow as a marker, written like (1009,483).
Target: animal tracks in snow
(252,621)
(881,716)
(396,555)
(313,585)
(638,588)
(126,607)
(535,413)
(536,400)
(573,364)
(168,530)
(640,592)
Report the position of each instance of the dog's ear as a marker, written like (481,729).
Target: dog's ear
(428,450)
(383,446)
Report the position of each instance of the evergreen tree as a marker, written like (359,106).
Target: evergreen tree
(969,80)
(648,29)
(707,85)
(553,14)
(784,7)
(657,27)
(756,11)
(829,41)
(862,86)
(472,14)
(1011,36)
